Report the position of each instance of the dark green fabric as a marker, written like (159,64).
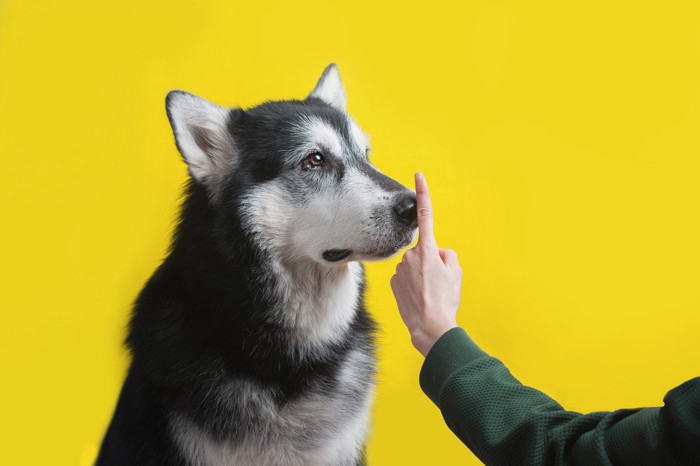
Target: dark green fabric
(507,423)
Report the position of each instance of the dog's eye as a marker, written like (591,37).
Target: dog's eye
(313,160)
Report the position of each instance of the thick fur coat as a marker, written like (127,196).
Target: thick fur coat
(251,344)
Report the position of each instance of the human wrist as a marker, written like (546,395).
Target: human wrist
(424,338)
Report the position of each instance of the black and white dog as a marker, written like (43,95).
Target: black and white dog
(251,344)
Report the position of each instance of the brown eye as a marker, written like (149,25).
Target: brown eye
(314,160)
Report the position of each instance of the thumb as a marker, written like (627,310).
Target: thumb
(449,258)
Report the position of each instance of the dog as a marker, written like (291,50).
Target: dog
(251,343)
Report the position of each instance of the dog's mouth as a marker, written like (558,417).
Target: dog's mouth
(388,250)
(382,249)
(335,255)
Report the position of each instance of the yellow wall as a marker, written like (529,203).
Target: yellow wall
(561,141)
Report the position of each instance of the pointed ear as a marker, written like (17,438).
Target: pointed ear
(202,136)
(330,88)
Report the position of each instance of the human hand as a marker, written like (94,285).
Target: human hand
(428,281)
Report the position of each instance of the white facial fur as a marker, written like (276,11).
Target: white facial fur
(353,214)
(318,134)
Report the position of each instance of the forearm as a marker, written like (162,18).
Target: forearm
(498,418)
(505,422)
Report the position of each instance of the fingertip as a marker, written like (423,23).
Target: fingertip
(420,180)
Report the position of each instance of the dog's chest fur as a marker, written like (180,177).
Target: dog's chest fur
(325,424)
(318,428)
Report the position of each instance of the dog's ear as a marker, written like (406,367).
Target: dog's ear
(330,88)
(202,136)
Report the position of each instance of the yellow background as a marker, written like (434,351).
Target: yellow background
(560,139)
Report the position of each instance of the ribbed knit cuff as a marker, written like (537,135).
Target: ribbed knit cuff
(453,350)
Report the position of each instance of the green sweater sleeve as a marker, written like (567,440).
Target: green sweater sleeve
(505,422)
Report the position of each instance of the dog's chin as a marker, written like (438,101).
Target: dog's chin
(380,255)
(385,252)
(380,251)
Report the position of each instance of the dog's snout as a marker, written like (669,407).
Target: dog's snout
(405,209)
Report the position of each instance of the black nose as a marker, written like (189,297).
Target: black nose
(405,209)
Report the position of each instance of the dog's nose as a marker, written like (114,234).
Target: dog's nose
(405,209)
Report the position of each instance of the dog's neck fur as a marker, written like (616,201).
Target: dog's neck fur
(315,304)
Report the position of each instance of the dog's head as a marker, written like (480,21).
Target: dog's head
(297,175)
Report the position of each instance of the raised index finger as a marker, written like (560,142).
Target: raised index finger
(426,238)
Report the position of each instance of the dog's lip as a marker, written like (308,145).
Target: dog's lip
(335,255)
(386,252)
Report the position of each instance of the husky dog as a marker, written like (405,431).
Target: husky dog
(250,343)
